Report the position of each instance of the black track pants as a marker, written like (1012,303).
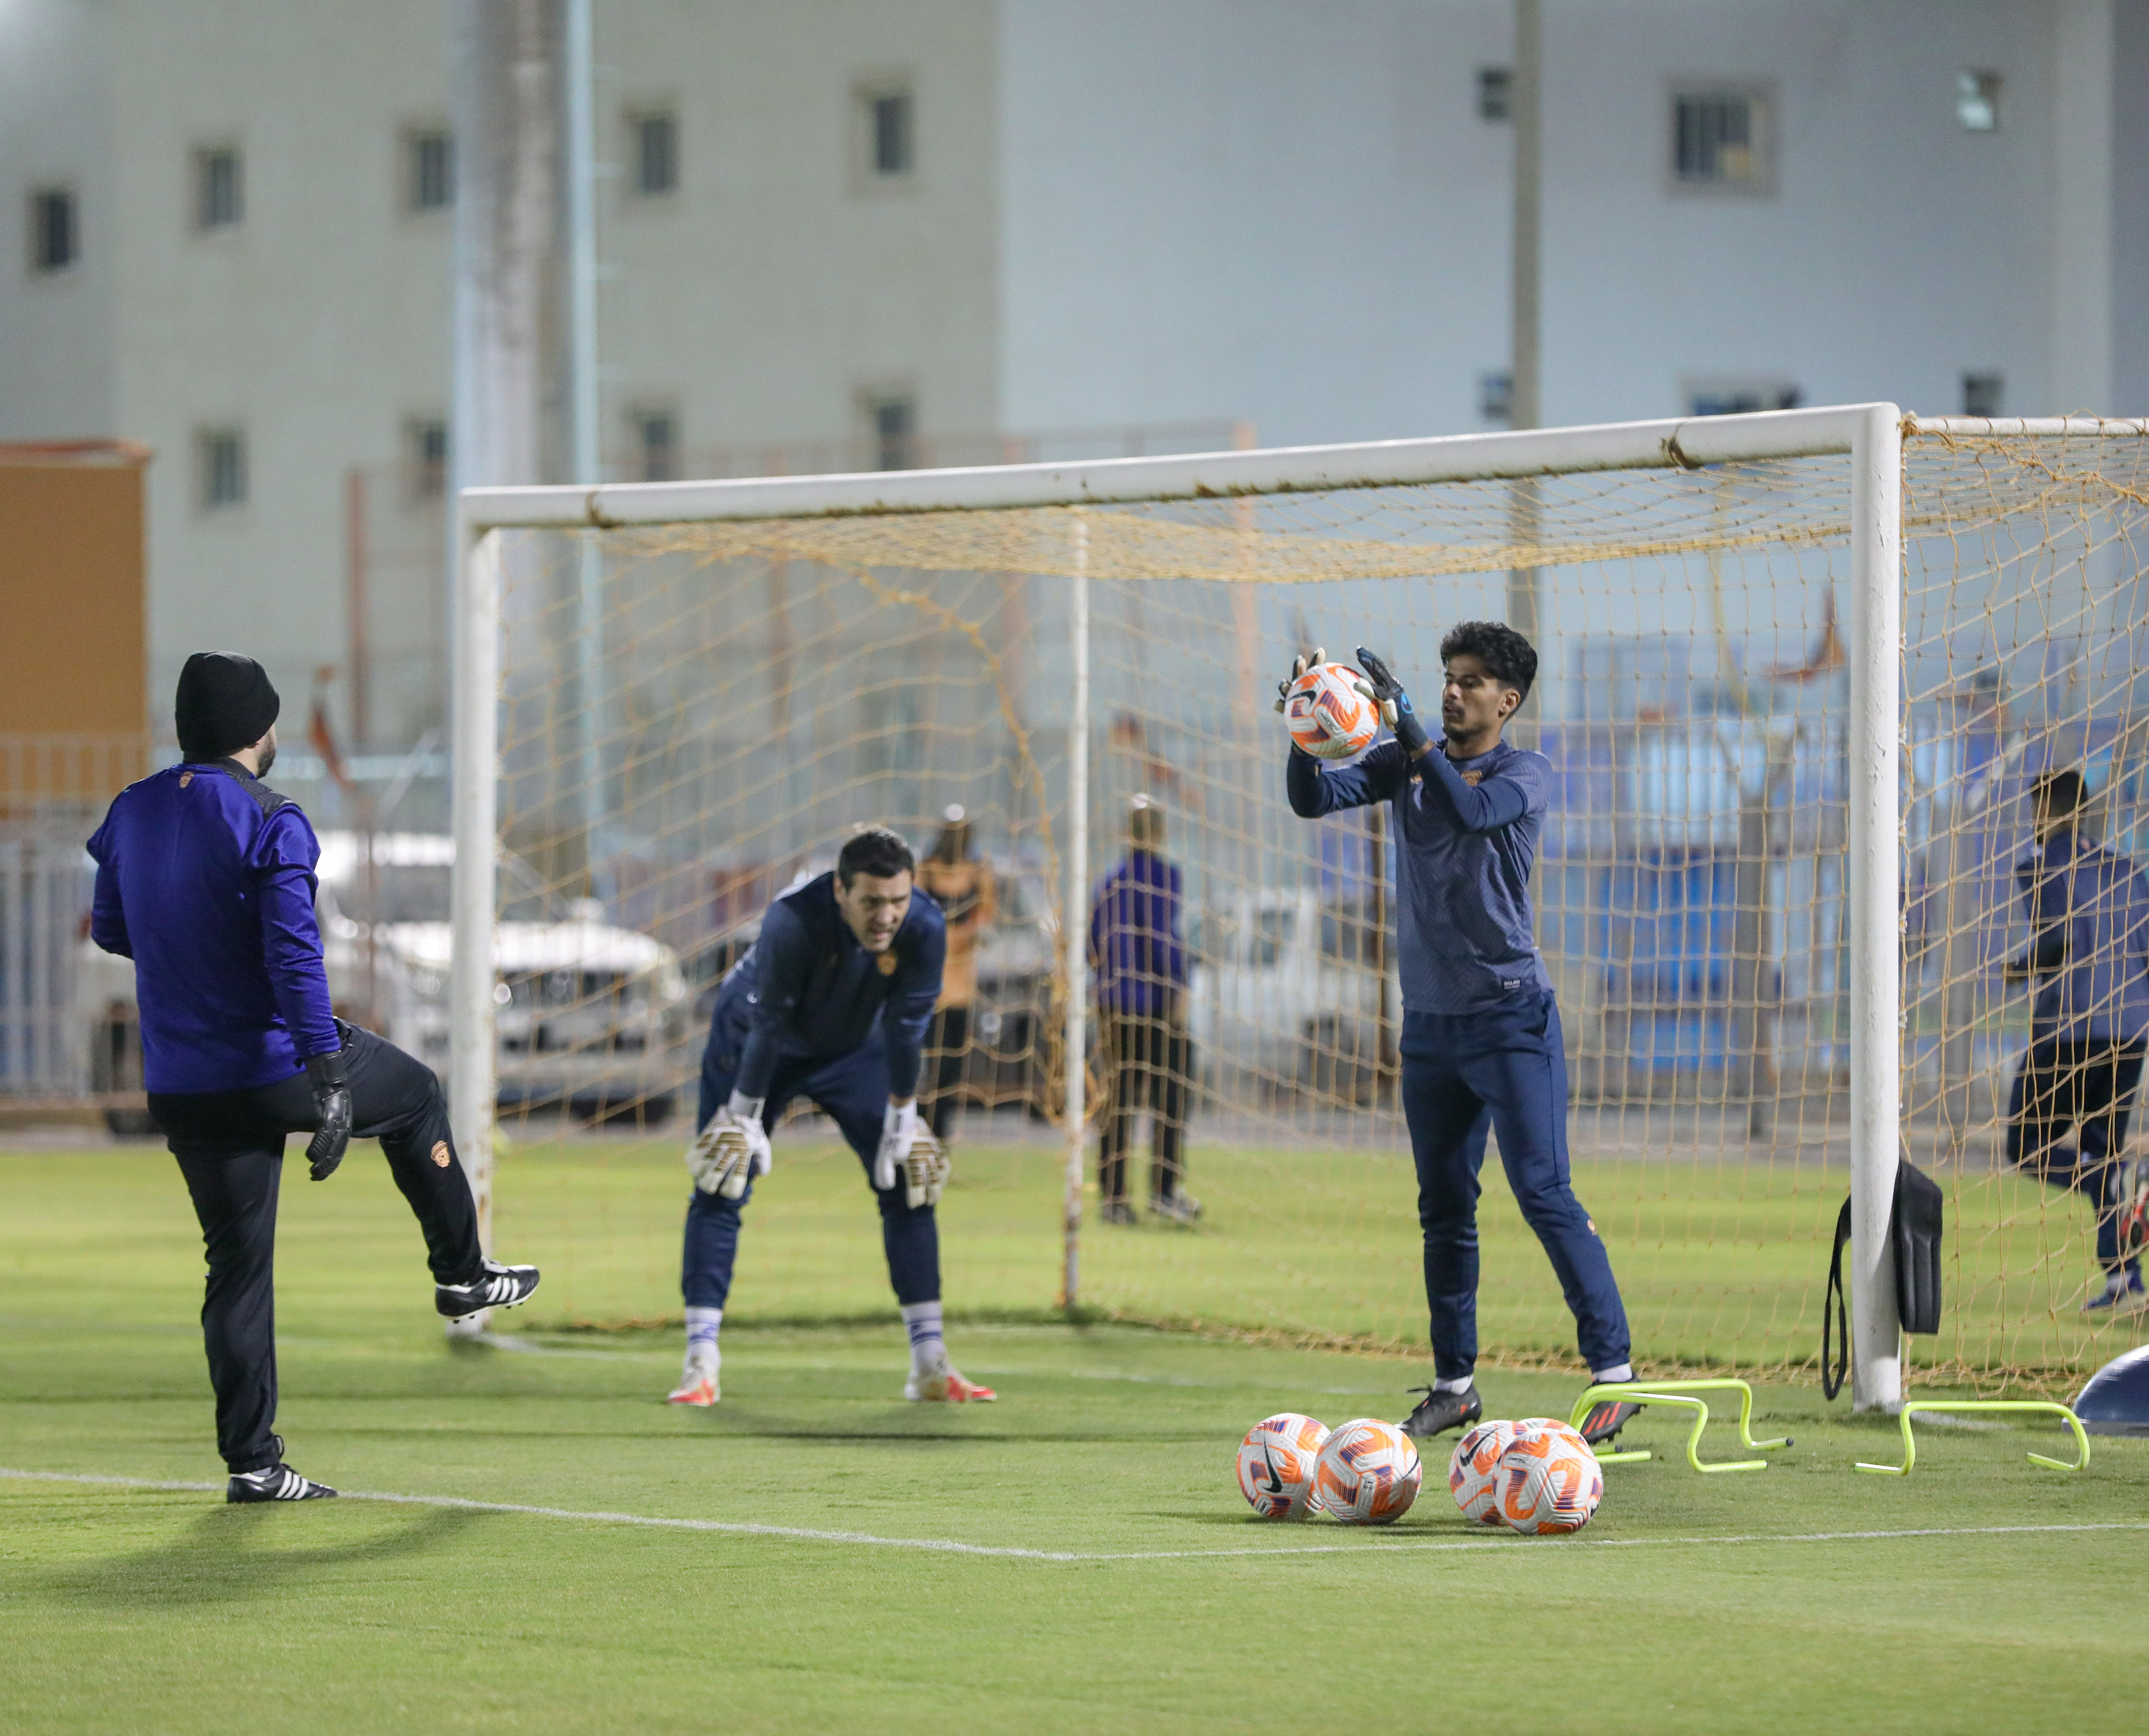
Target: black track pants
(230,1149)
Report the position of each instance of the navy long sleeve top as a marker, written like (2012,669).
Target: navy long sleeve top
(1135,945)
(205,879)
(807,989)
(1466,838)
(2089,918)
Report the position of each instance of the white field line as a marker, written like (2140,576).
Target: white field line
(1390,1543)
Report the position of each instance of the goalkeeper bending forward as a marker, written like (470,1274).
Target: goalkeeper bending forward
(1481,1039)
(831,1005)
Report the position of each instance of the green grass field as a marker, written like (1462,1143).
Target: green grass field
(1074,1558)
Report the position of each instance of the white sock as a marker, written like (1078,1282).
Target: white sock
(1613,1375)
(702,1327)
(1461,1385)
(927,1345)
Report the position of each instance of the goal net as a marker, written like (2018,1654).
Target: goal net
(693,710)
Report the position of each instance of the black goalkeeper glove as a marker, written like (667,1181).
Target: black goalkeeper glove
(1298,668)
(1385,691)
(331,1085)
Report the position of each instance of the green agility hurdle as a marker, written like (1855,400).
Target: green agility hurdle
(1678,1394)
(1938,1406)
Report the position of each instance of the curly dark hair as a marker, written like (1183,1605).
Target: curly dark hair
(1510,658)
(2062,793)
(876,851)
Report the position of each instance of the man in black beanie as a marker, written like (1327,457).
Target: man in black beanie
(205,879)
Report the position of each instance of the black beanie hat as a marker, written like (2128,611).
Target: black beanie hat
(225,703)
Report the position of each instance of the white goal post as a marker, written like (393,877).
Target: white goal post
(1869,434)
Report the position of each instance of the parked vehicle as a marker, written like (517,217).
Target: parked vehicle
(1285,995)
(590,1017)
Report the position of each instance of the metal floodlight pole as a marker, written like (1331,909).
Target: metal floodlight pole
(1875,885)
(584,454)
(1074,924)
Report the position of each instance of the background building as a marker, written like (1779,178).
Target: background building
(845,235)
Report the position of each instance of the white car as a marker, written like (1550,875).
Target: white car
(1284,994)
(592,1018)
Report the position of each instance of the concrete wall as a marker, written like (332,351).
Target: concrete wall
(56,373)
(781,283)
(317,326)
(1295,211)
(1256,208)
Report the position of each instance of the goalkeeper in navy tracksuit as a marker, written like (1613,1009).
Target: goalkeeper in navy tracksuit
(831,1005)
(1480,1039)
(205,879)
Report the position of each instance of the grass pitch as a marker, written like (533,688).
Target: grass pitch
(816,1555)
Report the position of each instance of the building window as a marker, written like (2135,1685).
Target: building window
(655,429)
(1495,397)
(1738,397)
(220,187)
(891,131)
(1496,93)
(1977,100)
(1982,395)
(654,138)
(429,169)
(892,431)
(425,458)
(221,457)
(55,243)
(1721,140)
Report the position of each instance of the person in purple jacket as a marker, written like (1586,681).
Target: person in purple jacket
(205,879)
(2089,924)
(1137,958)
(1481,1050)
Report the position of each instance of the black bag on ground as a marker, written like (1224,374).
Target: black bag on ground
(1914,1224)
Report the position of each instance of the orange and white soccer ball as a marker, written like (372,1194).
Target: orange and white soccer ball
(1328,717)
(1473,1474)
(1550,1483)
(1368,1472)
(1277,1462)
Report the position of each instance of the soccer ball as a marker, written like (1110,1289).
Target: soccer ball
(1328,717)
(1549,1480)
(1473,1474)
(1276,1464)
(1367,1473)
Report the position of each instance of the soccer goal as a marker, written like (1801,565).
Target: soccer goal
(1798,671)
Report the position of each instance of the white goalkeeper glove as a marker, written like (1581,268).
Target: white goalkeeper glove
(731,1149)
(910,1150)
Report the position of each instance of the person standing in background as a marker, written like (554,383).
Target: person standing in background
(1140,963)
(963,886)
(2088,907)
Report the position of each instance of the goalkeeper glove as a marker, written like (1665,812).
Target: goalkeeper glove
(898,1124)
(924,1169)
(331,1085)
(1386,691)
(1298,668)
(731,1149)
(911,1151)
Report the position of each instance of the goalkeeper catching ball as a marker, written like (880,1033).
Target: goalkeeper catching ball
(1480,1039)
(831,1004)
